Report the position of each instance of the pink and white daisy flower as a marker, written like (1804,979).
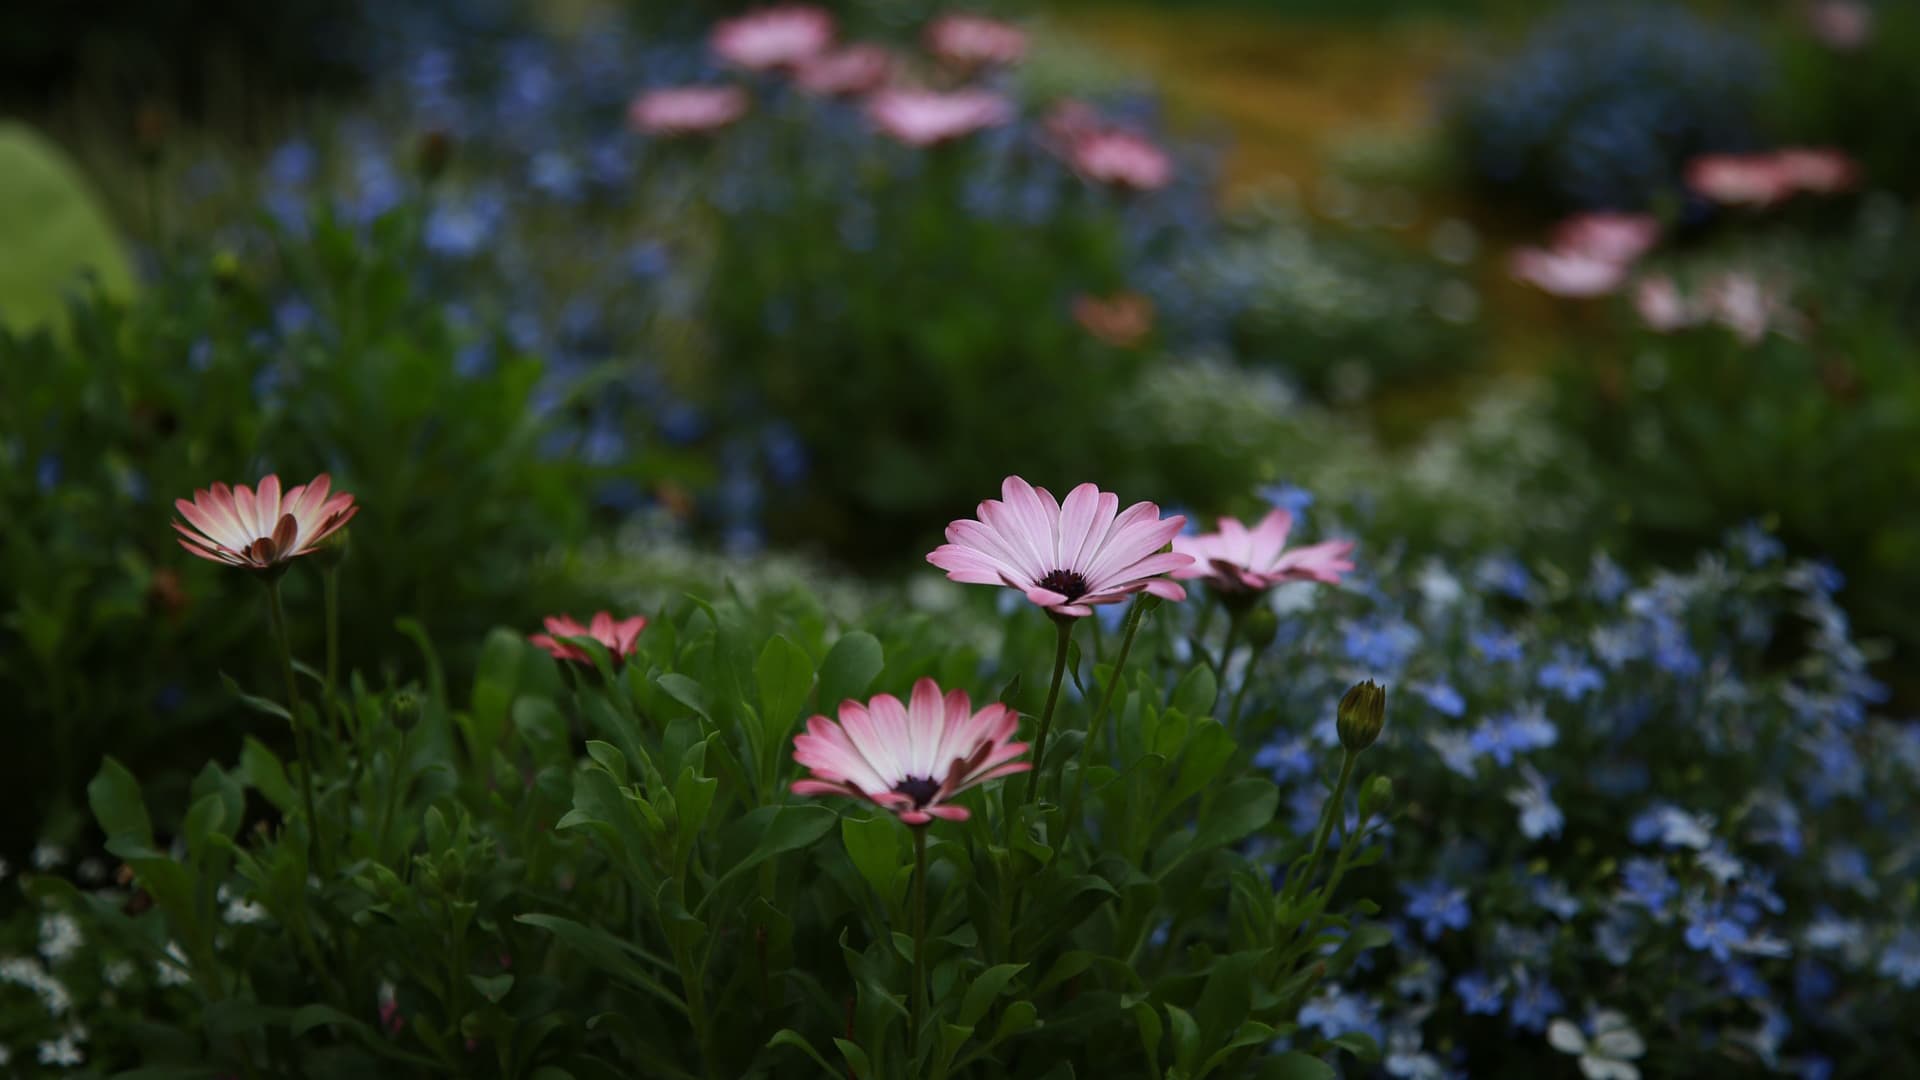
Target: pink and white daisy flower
(911,759)
(1066,557)
(1237,559)
(772,38)
(686,110)
(262,530)
(855,69)
(1840,24)
(1566,273)
(973,41)
(1620,237)
(620,636)
(1121,158)
(926,117)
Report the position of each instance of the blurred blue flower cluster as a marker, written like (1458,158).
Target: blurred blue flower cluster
(1602,104)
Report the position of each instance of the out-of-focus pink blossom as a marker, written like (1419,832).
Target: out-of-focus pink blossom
(972,41)
(1122,320)
(686,110)
(1755,180)
(1738,301)
(1840,24)
(772,38)
(1237,560)
(1614,236)
(855,69)
(1566,273)
(1817,171)
(1660,305)
(619,636)
(928,117)
(1121,158)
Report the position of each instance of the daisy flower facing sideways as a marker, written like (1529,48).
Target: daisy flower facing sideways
(1241,560)
(911,759)
(1066,557)
(262,530)
(621,637)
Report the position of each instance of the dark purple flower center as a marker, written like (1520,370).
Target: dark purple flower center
(921,789)
(1067,583)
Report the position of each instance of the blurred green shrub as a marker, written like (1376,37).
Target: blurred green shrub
(321,358)
(55,233)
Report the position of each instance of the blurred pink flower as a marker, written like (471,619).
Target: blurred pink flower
(1064,557)
(1817,171)
(264,530)
(1241,560)
(910,760)
(1067,121)
(1124,159)
(970,41)
(1738,301)
(773,37)
(1660,305)
(1755,180)
(390,1017)
(1609,235)
(1122,320)
(621,637)
(1566,273)
(1840,24)
(926,117)
(686,110)
(855,69)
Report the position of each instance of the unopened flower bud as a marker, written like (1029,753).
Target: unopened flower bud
(1363,712)
(1260,627)
(226,270)
(406,709)
(332,551)
(1376,798)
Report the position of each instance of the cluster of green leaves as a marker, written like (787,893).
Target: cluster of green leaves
(205,378)
(587,870)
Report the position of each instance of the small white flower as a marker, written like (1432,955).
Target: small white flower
(242,911)
(91,871)
(47,856)
(61,1051)
(59,936)
(174,974)
(117,972)
(1609,1054)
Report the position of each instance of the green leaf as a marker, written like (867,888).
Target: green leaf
(308,1017)
(687,692)
(265,774)
(1186,1039)
(254,701)
(849,669)
(784,674)
(114,796)
(608,953)
(204,818)
(984,990)
(783,829)
(790,1037)
(1294,1065)
(1147,1021)
(857,1058)
(1196,692)
(1244,807)
(1359,1044)
(492,987)
(876,846)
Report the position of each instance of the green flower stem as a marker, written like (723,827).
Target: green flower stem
(395,782)
(1240,695)
(1332,810)
(301,743)
(1031,785)
(1135,614)
(1226,648)
(919,937)
(332,578)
